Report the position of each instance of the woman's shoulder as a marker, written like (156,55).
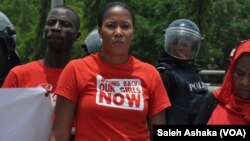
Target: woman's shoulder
(86,61)
(143,63)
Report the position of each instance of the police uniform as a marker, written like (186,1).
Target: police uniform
(179,73)
(186,92)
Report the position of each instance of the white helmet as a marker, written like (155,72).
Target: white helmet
(93,43)
(7,32)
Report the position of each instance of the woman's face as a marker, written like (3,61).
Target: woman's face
(241,76)
(116,31)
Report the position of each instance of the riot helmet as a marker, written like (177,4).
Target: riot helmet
(182,40)
(8,35)
(9,56)
(92,44)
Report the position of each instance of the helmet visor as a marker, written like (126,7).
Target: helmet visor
(183,44)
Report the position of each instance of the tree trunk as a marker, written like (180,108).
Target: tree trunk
(55,3)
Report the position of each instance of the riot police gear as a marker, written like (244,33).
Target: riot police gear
(180,74)
(8,38)
(9,56)
(186,91)
(7,32)
(93,43)
(182,40)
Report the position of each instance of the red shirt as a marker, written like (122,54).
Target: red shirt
(114,101)
(224,116)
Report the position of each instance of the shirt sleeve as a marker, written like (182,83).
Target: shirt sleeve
(11,80)
(158,100)
(67,85)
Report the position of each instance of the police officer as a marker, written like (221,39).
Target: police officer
(8,54)
(180,74)
(92,44)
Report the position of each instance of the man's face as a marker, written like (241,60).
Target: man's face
(182,49)
(60,31)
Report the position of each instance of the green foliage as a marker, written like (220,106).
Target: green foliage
(19,12)
(222,24)
(77,6)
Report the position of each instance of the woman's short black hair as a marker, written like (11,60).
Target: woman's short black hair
(111,5)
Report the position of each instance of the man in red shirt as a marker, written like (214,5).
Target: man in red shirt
(60,32)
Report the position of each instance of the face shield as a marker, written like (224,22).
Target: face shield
(182,43)
(10,56)
(5,22)
(8,36)
(7,32)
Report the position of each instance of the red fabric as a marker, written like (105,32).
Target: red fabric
(32,74)
(114,101)
(225,94)
(224,116)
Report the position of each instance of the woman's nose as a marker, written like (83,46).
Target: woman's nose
(246,81)
(118,31)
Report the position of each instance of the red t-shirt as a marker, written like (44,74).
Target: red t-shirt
(114,101)
(32,74)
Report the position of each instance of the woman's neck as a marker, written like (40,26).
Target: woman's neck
(115,59)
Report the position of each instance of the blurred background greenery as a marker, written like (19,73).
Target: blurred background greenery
(223,24)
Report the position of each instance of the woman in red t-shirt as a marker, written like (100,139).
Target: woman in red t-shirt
(112,95)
